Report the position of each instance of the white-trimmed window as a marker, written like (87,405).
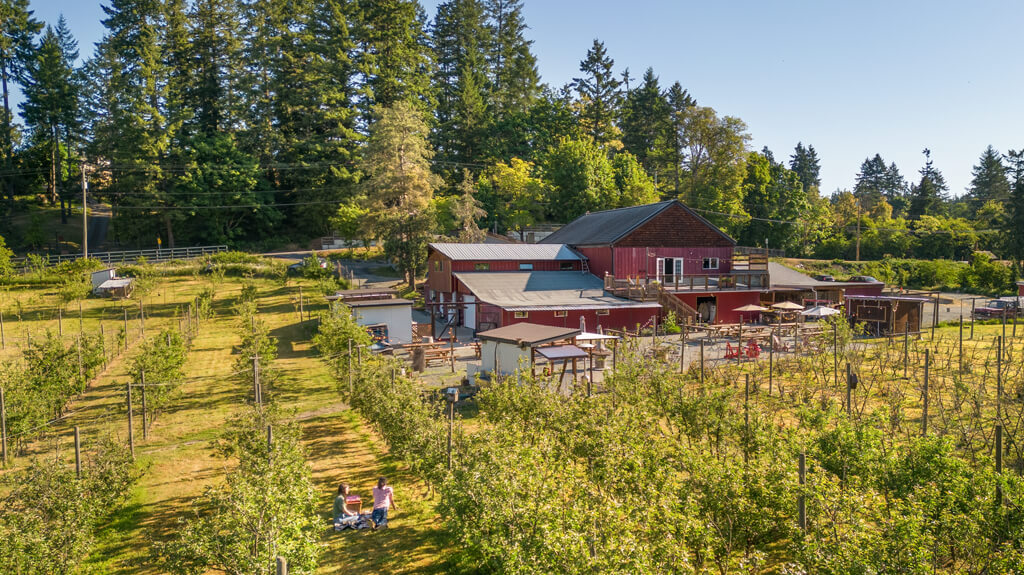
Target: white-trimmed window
(561,313)
(603,312)
(521,314)
(710,264)
(526,267)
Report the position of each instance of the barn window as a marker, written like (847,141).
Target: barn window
(561,313)
(521,314)
(482,267)
(603,312)
(565,266)
(710,263)
(525,267)
(438,265)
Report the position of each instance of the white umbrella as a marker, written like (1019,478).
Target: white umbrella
(819,311)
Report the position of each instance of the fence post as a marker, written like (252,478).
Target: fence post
(801,501)
(3,338)
(999,378)
(960,360)
(126,338)
(257,394)
(771,360)
(131,427)
(78,454)
(999,462)
(682,351)
(142,319)
(924,410)
(3,428)
(702,363)
(835,352)
(145,411)
(906,347)
(60,322)
(350,369)
(849,390)
(270,444)
(972,318)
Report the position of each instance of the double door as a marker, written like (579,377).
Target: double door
(670,270)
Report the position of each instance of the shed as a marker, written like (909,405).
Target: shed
(106,283)
(886,315)
(506,349)
(395,313)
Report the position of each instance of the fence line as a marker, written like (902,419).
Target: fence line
(129,256)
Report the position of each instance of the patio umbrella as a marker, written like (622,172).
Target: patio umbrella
(751,307)
(819,311)
(787,306)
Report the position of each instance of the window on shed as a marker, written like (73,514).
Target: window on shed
(561,313)
(525,267)
(710,263)
(482,267)
(565,266)
(603,312)
(521,314)
(438,265)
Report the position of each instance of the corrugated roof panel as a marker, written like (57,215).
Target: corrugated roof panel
(522,252)
(526,291)
(604,227)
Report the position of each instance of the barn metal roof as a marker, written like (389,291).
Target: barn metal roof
(608,226)
(514,252)
(544,291)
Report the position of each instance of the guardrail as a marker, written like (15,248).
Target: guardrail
(130,256)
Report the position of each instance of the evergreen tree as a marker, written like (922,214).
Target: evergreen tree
(467,210)
(877,182)
(214,61)
(51,106)
(399,186)
(1014,226)
(773,197)
(128,127)
(679,102)
(17,31)
(989,182)
(460,43)
(645,119)
(804,162)
(928,196)
(599,96)
(393,56)
(514,80)
(266,26)
(316,118)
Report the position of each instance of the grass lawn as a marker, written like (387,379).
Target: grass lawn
(178,455)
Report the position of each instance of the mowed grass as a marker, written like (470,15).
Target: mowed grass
(179,456)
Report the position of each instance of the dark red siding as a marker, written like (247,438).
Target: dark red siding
(617,318)
(725,303)
(599,260)
(868,289)
(513,266)
(675,227)
(643,261)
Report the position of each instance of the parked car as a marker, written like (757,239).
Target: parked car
(825,278)
(297,267)
(864,279)
(996,308)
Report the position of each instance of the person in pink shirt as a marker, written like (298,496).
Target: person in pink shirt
(383,499)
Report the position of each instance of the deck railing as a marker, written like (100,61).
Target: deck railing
(633,287)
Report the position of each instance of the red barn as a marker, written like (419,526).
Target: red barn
(487,286)
(669,249)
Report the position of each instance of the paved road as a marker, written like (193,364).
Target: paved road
(99,223)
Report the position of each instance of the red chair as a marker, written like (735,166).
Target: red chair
(753,350)
(731,352)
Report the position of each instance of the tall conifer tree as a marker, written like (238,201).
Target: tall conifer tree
(599,95)
(18,29)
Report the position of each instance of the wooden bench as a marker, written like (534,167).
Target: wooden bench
(441,355)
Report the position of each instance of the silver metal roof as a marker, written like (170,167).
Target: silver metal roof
(543,291)
(514,252)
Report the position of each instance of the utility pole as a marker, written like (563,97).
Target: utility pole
(85,214)
(858,230)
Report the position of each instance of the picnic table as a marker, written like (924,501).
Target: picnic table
(441,355)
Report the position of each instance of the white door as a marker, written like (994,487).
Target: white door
(659,269)
(469,318)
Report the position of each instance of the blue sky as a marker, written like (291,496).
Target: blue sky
(851,78)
